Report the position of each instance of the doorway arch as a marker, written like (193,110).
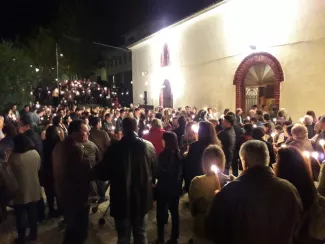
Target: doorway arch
(166,95)
(245,66)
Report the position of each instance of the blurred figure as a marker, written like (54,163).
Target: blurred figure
(98,136)
(192,167)
(242,212)
(131,196)
(25,163)
(313,115)
(308,122)
(300,138)
(155,135)
(169,187)
(179,131)
(7,143)
(71,170)
(239,116)
(189,137)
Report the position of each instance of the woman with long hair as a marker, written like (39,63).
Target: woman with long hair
(206,136)
(292,166)
(169,187)
(188,138)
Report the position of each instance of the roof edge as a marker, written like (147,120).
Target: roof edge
(196,14)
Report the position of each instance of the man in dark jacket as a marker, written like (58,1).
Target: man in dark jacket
(256,208)
(228,140)
(129,165)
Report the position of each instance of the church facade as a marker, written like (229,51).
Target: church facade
(235,54)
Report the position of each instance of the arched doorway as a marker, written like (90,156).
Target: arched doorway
(257,81)
(166,95)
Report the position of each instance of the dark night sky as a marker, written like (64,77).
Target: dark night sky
(19,17)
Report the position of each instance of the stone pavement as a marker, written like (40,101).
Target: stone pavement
(50,233)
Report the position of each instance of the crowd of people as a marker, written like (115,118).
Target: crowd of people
(250,179)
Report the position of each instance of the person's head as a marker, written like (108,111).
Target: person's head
(2,121)
(299,132)
(209,110)
(239,111)
(129,126)
(226,111)
(189,133)
(188,109)
(254,120)
(130,114)
(259,113)
(9,130)
(25,123)
(307,120)
(282,113)
(14,108)
(207,134)
(263,108)
(137,112)
(26,108)
(313,115)
(118,134)
(96,122)
(267,128)
(123,113)
(156,123)
(292,166)
(278,129)
(57,120)
(248,128)
(117,114)
(170,141)
(181,122)
(254,153)
(322,123)
(203,115)
(288,130)
(254,107)
(108,117)
(266,117)
(213,155)
(78,131)
(251,113)
(22,144)
(159,116)
(228,121)
(258,133)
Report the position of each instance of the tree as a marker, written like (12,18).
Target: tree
(18,75)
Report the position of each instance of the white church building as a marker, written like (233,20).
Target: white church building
(235,54)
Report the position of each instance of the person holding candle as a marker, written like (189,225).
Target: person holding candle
(300,138)
(203,188)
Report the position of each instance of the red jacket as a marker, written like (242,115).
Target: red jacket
(155,137)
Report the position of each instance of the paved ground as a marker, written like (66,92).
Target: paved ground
(49,233)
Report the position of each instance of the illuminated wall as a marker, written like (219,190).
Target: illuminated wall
(206,50)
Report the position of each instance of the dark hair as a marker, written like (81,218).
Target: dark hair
(171,142)
(26,120)
(254,106)
(248,128)
(259,113)
(122,111)
(108,115)
(267,117)
(136,109)
(230,119)
(9,130)
(203,115)
(22,144)
(267,125)
(292,167)
(254,119)
(289,128)
(258,133)
(312,114)
(279,127)
(159,116)
(51,136)
(75,126)
(207,134)
(94,121)
(56,120)
(226,111)
(231,113)
(287,123)
(129,125)
(182,122)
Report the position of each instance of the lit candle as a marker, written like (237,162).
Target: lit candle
(306,154)
(195,128)
(274,120)
(283,145)
(113,127)
(145,132)
(315,155)
(322,142)
(215,169)
(273,134)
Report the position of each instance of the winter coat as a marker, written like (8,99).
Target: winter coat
(228,140)
(129,165)
(155,137)
(25,167)
(256,208)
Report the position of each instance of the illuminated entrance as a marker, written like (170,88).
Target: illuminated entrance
(166,95)
(257,81)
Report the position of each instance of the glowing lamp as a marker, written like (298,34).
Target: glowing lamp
(306,154)
(37,105)
(322,142)
(315,155)
(215,169)
(195,128)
